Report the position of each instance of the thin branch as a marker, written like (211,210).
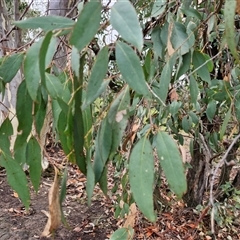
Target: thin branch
(220,163)
(13,27)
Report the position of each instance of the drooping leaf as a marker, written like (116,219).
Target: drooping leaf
(56,89)
(6,130)
(97,75)
(103,144)
(10,66)
(75,61)
(179,38)
(44,49)
(103,181)
(211,110)
(118,117)
(65,129)
(125,20)
(230,32)
(32,67)
(46,23)
(184,62)
(130,68)
(171,163)
(62,195)
(194,90)
(199,63)
(24,106)
(158,45)
(141,177)
(16,178)
(87,25)
(90,178)
(78,127)
(40,108)
(63,186)
(87,123)
(166,78)
(33,157)
(225,123)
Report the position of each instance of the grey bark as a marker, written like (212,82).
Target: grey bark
(7,45)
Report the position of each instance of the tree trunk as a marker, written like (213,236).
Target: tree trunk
(196,177)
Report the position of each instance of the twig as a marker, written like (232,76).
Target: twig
(13,27)
(222,161)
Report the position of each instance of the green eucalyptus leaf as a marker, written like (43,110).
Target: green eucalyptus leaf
(171,163)
(141,177)
(230,31)
(211,110)
(46,23)
(90,178)
(130,68)
(125,20)
(225,123)
(98,73)
(194,90)
(166,78)
(16,178)
(33,159)
(87,25)
(158,8)
(123,234)
(199,63)
(179,38)
(24,106)
(10,66)
(103,145)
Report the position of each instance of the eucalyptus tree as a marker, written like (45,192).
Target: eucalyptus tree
(177,71)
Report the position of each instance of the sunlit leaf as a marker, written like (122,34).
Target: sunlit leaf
(141,177)
(125,20)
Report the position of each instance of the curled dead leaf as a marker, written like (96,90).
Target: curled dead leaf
(130,221)
(54,215)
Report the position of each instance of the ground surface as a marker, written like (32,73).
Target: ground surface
(97,221)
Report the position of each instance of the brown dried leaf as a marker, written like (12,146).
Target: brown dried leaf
(130,221)
(173,95)
(54,218)
(169,44)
